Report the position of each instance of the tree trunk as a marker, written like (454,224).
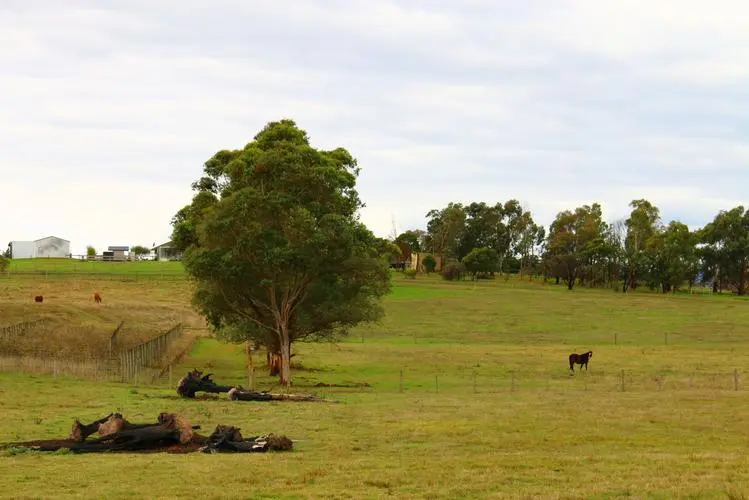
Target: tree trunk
(742,279)
(285,372)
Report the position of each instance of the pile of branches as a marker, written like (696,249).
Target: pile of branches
(171,433)
(194,382)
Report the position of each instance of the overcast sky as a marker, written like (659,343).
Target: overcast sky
(108,109)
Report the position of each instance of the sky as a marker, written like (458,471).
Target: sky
(109,108)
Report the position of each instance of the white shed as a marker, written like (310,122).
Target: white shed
(51,246)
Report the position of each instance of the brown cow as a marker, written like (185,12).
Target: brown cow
(38,298)
(97,298)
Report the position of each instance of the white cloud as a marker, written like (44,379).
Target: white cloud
(112,108)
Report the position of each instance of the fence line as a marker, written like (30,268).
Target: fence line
(134,360)
(95,369)
(113,338)
(7,332)
(418,381)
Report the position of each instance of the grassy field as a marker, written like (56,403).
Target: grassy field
(74,325)
(74,266)
(468,396)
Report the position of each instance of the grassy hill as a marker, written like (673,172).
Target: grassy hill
(463,390)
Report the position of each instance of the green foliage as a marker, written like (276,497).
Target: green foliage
(481,262)
(508,229)
(453,271)
(727,247)
(275,245)
(429,263)
(90,251)
(642,225)
(4,263)
(140,250)
(387,250)
(672,257)
(410,273)
(573,238)
(414,238)
(445,227)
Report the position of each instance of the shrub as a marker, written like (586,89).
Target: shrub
(429,263)
(4,263)
(481,262)
(410,273)
(453,271)
(90,251)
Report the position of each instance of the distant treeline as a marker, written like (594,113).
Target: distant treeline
(580,247)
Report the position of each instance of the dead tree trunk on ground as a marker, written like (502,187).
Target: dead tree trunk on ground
(228,438)
(195,381)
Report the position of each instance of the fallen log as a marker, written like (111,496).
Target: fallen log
(195,381)
(228,438)
(171,433)
(114,422)
(239,394)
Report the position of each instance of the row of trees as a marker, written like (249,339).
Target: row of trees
(581,247)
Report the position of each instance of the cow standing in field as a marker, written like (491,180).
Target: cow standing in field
(580,359)
(97,298)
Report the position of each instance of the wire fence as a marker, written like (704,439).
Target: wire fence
(414,381)
(147,354)
(111,362)
(10,331)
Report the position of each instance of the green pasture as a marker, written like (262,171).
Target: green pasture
(77,266)
(461,391)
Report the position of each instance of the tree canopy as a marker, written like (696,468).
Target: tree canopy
(580,247)
(273,239)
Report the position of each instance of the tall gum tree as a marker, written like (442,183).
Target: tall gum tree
(571,237)
(275,245)
(643,223)
(727,237)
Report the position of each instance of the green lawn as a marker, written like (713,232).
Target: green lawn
(468,396)
(76,266)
